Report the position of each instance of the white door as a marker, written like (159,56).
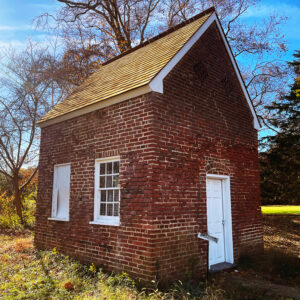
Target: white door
(215,220)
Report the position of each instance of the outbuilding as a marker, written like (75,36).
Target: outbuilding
(151,165)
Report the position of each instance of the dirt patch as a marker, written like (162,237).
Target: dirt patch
(282,232)
(243,285)
(273,274)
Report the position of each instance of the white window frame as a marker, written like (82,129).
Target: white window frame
(54,196)
(98,219)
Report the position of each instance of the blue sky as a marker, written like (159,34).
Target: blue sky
(16,20)
(291,28)
(16,24)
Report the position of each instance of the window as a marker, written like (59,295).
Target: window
(107,192)
(61,192)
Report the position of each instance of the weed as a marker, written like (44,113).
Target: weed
(26,273)
(122,280)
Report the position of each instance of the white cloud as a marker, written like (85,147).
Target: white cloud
(16,28)
(16,44)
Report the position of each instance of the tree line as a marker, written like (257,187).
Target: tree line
(280,163)
(84,34)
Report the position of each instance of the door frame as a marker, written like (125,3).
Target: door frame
(228,241)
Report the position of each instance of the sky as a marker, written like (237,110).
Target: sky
(16,21)
(16,18)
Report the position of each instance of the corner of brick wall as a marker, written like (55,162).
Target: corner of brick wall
(167,144)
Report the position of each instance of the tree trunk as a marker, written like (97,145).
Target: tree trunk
(17,200)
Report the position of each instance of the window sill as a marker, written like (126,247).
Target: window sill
(58,219)
(97,222)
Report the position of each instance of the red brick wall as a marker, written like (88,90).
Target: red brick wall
(167,144)
(202,128)
(123,129)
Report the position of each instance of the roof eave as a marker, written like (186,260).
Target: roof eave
(156,83)
(98,105)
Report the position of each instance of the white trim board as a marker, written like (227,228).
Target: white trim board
(98,105)
(156,84)
(256,123)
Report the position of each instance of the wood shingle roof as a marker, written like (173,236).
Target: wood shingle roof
(131,70)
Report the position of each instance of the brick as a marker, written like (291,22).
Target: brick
(167,144)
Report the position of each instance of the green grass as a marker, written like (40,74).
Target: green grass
(26,273)
(281,210)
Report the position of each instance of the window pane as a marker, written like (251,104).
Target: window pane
(110,196)
(116,209)
(115,180)
(102,209)
(109,209)
(102,181)
(109,192)
(116,167)
(116,196)
(108,181)
(103,196)
(109,168)
(102,169)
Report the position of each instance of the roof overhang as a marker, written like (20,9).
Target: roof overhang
(101,104)
(156,84)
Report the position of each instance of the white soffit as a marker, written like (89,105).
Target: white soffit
(156,83)
(98,105)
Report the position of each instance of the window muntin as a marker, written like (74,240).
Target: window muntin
(61,192)
(107,191)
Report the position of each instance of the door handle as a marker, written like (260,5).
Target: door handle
(207,237)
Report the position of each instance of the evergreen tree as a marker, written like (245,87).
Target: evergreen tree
(280,164)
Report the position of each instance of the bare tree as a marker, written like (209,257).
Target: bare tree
(258,47)
(96,30)
(124,22)
(27,91)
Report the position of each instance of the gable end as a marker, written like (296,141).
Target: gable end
(156,84)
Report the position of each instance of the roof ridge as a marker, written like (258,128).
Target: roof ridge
(162,34)
(135,73)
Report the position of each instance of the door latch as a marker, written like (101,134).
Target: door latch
(207,237)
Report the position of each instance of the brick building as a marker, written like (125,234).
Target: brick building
(151,165)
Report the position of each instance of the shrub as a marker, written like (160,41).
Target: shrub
(8,216)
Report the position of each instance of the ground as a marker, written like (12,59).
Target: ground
(282,232)
(274,274)
(29,274)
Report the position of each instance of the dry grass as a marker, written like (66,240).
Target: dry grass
(282,233)
(274,274)
(28,274)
